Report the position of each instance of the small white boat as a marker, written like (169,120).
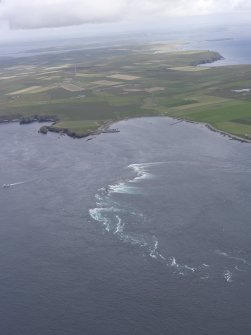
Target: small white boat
(6,185)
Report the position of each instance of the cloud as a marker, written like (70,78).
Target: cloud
(29,14)
(57,13)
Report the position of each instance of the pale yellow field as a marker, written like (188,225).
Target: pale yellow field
(72,87)
(190,68)
(164,49)
(87,75)
(48,78)
(32,90)
(105,83)
(58,67)
(8,77)
(188,52)
(128,67)
(121,76)
(134,90)
(48,72)
(154,89)
(25,73)
(102,64)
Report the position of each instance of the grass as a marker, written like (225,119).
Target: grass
(190,68)
(79,126)
(231,118)
(147,81)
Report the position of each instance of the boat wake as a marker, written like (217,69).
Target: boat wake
(14,184)
(17,183)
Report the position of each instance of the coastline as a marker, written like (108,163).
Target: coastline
(105,126)
(212,128)
(63,131)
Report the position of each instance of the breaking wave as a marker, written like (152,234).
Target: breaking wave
(241,266)
(126,223)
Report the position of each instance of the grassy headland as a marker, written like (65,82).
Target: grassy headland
(82,90)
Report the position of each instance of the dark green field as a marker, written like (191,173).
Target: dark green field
(85,89)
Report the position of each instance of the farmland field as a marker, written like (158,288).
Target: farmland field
(110,84)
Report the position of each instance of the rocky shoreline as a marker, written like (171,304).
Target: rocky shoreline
(64,131)
(29,119)
(51,128)
(212,128)
(215,58)
(105,127)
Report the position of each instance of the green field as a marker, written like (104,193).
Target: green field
(83,90)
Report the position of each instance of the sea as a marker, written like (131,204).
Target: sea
(146,231)
(235,50)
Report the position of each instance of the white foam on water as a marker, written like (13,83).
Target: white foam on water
(109,215)
(221,253)
(181,267)
(133,239)
(114,218)
(125,187)
(228,276)
(162,257)
(122,188)
(100,201)
(99,214)
(240,259)
(140,170)
(141,215)
(120,226)
(98,197)
(189,268)
(96,214)
(238,269)
(110,218)
(154,251)
(244,261)
(173,262)
(206,265)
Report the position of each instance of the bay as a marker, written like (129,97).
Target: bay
(146,231)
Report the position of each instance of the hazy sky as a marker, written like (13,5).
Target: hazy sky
(40,14)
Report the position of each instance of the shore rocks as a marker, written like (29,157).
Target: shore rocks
(38,118)
(43,130)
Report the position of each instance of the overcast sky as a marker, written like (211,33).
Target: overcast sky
(24,15)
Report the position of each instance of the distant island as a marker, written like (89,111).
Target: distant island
(81,92)
(220,39)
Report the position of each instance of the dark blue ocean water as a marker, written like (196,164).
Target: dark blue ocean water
(235,50)
(146,231)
